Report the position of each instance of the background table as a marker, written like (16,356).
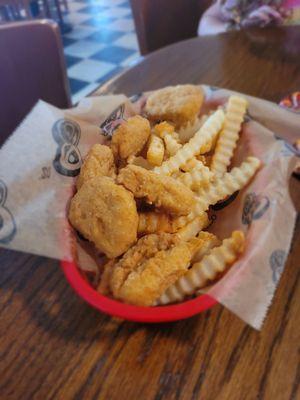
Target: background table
(53,346)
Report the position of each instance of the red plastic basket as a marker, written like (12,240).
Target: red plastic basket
(133,313)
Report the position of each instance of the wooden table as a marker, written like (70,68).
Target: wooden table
(53,346)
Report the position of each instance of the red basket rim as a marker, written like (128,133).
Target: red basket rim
(129,312)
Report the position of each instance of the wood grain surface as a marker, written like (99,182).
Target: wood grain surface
(54,346)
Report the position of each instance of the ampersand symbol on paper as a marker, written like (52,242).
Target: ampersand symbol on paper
(68,159)
(8,227)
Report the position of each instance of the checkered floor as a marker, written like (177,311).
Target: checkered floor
(101,44)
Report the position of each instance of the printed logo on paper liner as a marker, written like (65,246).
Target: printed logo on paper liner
(113,121)
(277,261)
(68,159)
(8,227)
(255,207)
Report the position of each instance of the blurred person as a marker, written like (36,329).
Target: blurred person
(225,15)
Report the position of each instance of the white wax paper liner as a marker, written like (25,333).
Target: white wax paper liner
(39,162)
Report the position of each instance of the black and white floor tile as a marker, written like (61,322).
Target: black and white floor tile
(101,44)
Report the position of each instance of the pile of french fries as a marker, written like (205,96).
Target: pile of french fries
(202,165)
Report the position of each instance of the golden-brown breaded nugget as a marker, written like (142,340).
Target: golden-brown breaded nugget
(145,248)
(105,214)
(177,104)
(150,267)
(130,137)
(163,191)
(99,161)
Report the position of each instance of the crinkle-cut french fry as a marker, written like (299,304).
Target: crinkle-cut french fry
(193,163)
(172,146)
(206,160)
(193,228)
(198,177)
(140,162)
(152,222)
(214,263)
(156,150)
(227,141)
(164,128)
(223,186)
(197,144)
(170,137)
(189,165)
(176,174)
(202,158)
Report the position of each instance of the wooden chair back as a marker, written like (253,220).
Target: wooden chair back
(32,67)
(162,22)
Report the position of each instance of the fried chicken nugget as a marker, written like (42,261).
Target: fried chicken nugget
(149,267)
(163,191)
(178,104)
(98,162)
(130,137)
(105,214)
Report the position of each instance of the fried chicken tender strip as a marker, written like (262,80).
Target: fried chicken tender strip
(99,161)
(165,192)
(176,104)
(130,137)
(145,248)
(105,214)
(150,267)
